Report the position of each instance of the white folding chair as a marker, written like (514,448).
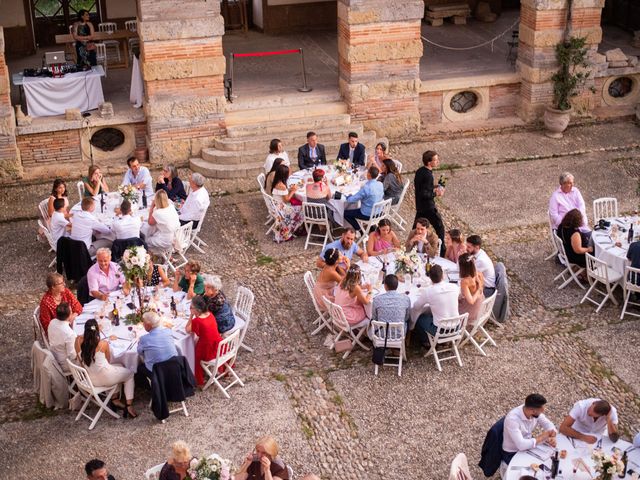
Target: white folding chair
(353,332)
(101,56)
(599,272)
(478,328)
(554,251)
(395,341)
(439,247)
(187,187)
(52,245)
(132,26)
(631,285)
(394,213)
(450,331)
(260,179)
(196,241)
(290,471)
(38,332)
(180,244)
(571,270)
(80,186)
(272,209)
(398,165)
(379,211)
(316,214)
(323,320)
(182,408)
(460,468)
(225,357)
(154,472)
(43,208)
(110,27)
(92,394)
(605,207)
(242,309)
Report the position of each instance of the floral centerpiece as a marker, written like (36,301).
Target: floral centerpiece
(135,265)
(210,468)
(407,263)
(128,192)
(607,466)
(341,166)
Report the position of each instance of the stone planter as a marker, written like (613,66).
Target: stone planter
(556,121)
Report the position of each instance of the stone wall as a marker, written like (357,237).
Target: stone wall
(10,165)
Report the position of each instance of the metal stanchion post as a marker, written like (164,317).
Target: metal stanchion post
(304,88)
(231,85)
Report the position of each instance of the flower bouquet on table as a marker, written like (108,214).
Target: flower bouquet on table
(128,192)
(341,165)
(607,466)
(407,263)
(135,265)
(209,468)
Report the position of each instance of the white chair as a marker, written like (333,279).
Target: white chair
(38,332)
(43,208)
(322,320)
(631,285)
(571,270)
(272,210)
(101,56)
(398,165)
(394,213)
(154,472)
(379,211)
(606,207)
(554,251)
(395,341)
(132,26)
(180,244)
(290,471)
(450,331)
(225,357)
(353,332)
(182,408)
(599,272)
(460,468)
(260,179)
(110,27)
(242,309)
(92,394)
(439,248)
(52,245)
(80,186)
(187,187)
(196,241)
(316,214)
(484,314)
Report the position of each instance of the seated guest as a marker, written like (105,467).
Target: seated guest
(423,239)
(62,338)
(576,244)
(138,176)
(268,179)
(59,225)
(318,191)
(434,304)
(177,467)
(391,306)
(97,470)
(94,182)
(454,245)
(371,193)
(484,265)
(57,293)
(85,225)
(471,285)
(589,419)
(566,198)
(330,276)
(196,203)
(105,276)
(351,297)
(346,245)
(352,151)
(156,275)
(95,356)
(59,191)
(218,304)
(191,281)
(162,226)
(171,183)
(263,463)
(378,157)
(125,225)
(391,181)
(290,217)
(203,324)
(312,153)
(155,347)
(276,150)
(382,240)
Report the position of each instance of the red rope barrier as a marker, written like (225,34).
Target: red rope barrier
(265,54)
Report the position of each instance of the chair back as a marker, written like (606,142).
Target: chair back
(439,247)
(631,279)
(196,230)
(398,164)
(377,332)
(38,331)
(110,27)
(154,472)
(182,237)
(43,208)
(486,309)
(597,269)
(405,187)
(337,315)
(315,213)
(605,207)
(380,210)
(228,349)
(243,304)
(101,55)
(460,468)
(260,179)
(81,376)
(271,205)
(131,25)
(187,187)
(310,282)
(562,254)
(451,329)
(48,236)
(80,186)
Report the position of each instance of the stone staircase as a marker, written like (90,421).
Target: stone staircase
(252,124)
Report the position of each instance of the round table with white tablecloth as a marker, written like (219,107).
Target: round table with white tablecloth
(604,242)
(112,200)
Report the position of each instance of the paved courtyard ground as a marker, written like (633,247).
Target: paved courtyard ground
(332,416)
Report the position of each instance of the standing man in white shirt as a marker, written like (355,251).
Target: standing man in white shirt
(60,226)
(197,201)
(483,264)
(138,176)
(125,225)
(85,225)
(588,419)
(62,338)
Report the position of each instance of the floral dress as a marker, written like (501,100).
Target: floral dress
(289,219)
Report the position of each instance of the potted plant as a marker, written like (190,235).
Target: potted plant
(571,55)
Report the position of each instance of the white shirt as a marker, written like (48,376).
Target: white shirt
(58,226)
(518,430)
(167,221)
(84,225)
(195,205)
(126,226)
(62,342)
(442,298)
(584,423)
(144,176)
(268,163)
(485,265)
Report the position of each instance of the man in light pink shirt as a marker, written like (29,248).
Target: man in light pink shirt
(566,198)
(105,276)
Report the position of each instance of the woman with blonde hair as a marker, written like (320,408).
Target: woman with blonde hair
(351,297)
(263,463)
(163,223)
(94,182)
(178,464)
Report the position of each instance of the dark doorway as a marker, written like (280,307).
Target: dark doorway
(622,13)
(53,17)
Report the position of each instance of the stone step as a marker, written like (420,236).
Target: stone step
(212,170)
(289,125)
(300,112)
(252,102)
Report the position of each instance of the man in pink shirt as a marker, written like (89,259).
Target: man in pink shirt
(105,276)
(566,198)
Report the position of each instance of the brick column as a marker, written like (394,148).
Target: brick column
(10,164)
(542,26)
(380,49)
(183,68)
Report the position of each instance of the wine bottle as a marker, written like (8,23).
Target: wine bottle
(144,199)
(625,460)
(116,315)
(555,464)
(101,202)
(174,310)
(630,237)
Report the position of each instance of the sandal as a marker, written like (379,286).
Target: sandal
(117,403)
(129,412)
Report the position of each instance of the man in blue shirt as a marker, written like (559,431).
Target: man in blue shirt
(138,176)
(346,245)
(371,193)
(155,347)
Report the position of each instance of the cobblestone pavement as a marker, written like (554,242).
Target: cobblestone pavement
(333,416)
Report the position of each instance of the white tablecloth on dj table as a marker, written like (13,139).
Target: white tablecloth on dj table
(52,96)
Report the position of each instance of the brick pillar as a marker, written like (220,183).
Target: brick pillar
(380,49)
(10,164)
(183,68)
(542,26)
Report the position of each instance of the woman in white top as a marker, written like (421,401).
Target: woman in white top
(163,223)
(276,150)
(290,216)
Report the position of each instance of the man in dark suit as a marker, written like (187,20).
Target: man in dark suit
(311,153)
(353,151)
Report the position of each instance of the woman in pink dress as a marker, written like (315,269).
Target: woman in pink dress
(382,240)
(351,297)
(330,276)
(471,284)
(454,245)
